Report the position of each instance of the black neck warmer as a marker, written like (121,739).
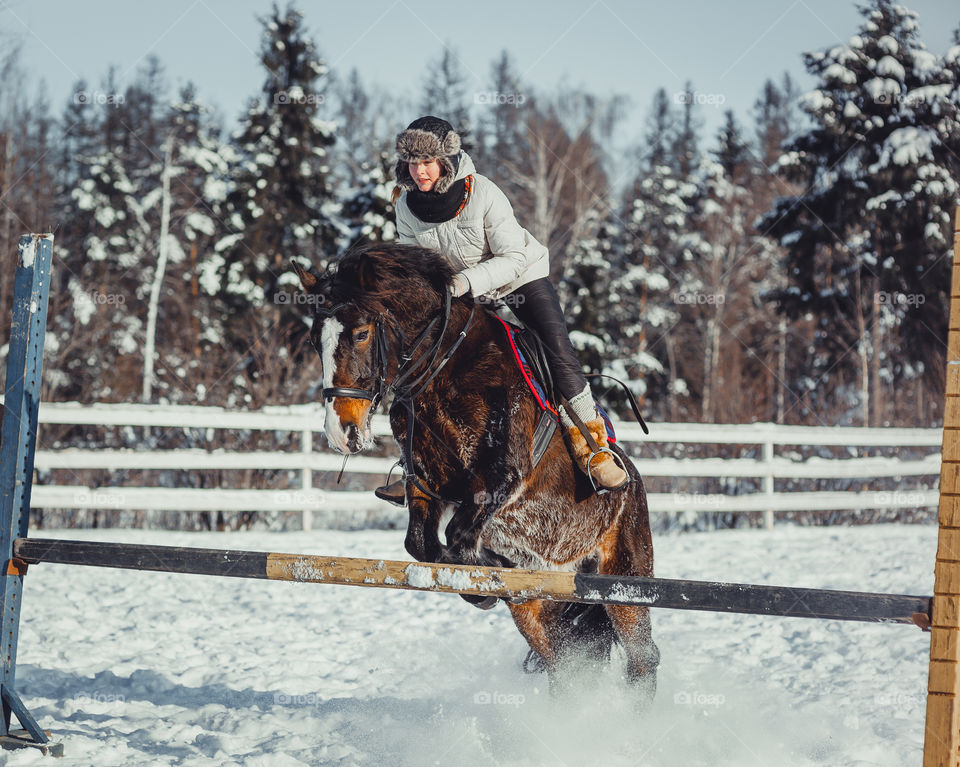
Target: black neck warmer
(433,208)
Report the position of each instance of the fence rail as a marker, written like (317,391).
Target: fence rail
(313,458)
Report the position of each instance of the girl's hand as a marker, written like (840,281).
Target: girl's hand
(459,286)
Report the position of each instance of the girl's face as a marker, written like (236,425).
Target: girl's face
(425,173)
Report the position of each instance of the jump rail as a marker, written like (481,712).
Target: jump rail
(509,583)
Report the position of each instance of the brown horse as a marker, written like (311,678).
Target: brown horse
(385,325)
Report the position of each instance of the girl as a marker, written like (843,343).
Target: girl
(443,204)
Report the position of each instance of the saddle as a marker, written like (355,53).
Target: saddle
(530,354)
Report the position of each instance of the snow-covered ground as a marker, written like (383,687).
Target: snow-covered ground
(131,668)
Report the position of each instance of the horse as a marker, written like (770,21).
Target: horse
(385,324)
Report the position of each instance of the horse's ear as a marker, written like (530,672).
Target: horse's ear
(367,277)
(307,279)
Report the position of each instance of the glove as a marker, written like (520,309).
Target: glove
(459,286)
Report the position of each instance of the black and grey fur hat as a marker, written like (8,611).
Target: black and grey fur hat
(424,139)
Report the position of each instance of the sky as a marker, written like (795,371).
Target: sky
(726,49)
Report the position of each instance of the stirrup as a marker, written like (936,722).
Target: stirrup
(601,490)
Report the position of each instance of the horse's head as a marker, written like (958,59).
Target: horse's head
(365,306)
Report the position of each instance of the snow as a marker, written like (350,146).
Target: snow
(882,89)
(816,101)
(906,146)
(28,255)
(851,110)
(887,44)
(888,66)
(841,73)
(159,669)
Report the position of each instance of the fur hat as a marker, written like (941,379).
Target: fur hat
(425,139)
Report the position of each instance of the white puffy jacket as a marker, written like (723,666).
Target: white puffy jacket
(484,242)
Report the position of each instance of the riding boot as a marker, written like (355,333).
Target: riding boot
(599,465)
(394,493)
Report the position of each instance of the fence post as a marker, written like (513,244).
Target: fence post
(306,478)
(768,485)
(941,745)
(31,287)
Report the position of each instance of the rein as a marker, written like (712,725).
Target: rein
(412,378)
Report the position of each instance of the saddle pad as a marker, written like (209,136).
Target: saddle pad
(534,385)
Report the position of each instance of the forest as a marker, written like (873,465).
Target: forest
(793,267)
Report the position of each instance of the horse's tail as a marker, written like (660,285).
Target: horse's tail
(585,632)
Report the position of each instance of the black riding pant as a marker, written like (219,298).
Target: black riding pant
(537,306)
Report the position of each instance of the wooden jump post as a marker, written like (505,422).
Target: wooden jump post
(941,743)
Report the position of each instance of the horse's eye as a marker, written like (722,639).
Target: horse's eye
(361,335)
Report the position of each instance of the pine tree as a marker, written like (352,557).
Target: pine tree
(367,163)
(503,114)
(650,275)
(775,117)
(281,203)
(368,209)
(586,287)
(445,95)
(866,244)
(660,134)
(685,151)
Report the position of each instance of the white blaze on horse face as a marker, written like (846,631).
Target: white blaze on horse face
(330,335)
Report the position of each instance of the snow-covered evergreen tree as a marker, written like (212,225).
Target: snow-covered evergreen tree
(445,95)
(281,204)
(365,160)
(585,289)
(652,271)
(866,242)
(368,208)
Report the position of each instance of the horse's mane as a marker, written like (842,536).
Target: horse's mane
(386,275)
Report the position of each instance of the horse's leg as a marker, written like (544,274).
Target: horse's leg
(422,541)
(627,549)
(632,625)
(534,622)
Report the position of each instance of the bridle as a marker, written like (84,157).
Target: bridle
(412,378)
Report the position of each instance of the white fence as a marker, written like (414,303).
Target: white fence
(313,457)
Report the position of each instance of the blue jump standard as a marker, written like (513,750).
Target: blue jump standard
(18,436)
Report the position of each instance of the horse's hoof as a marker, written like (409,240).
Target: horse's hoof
(483,603)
